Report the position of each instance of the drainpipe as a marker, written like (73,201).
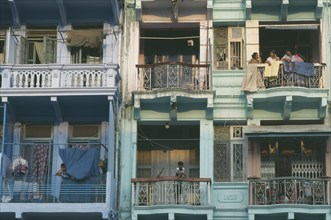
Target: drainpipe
(2,171)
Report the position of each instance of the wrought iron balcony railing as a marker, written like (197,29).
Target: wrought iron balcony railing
(292,78)
(57,76)
(173,75)
(171,191)
(289,190)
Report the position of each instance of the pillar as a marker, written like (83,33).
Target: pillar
(206,149)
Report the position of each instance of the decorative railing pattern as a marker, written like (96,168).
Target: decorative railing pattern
(84,78)
(289,190)
(31,78)
(292,78)
(173,75)
(58,76)
(170,191)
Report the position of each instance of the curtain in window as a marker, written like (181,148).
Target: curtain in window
(40,51)
(40,162)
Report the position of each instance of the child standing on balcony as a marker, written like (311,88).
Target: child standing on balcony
(180,170)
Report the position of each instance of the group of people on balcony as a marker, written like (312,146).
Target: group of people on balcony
(288,57)
(290,64)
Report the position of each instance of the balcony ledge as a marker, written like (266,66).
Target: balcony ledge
(19,208)
(173,95)
(284,95)
(296,208)
(11,92)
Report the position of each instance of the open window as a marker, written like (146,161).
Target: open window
(85,45)
(38,47)
(169,45)
(303,39)
(229,48)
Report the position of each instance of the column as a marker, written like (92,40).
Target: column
(60,140)
(252,38)
(206,149)
(63,52)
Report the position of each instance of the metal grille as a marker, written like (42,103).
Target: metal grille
(291,190)
(294,79)
(237,161)
(308,167)
(235,55)
(237,132)
(170,192)
(220,56)
(221,162)
(179,75)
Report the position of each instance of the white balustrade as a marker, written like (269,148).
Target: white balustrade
(58,76)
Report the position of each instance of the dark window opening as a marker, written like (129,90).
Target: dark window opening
(292,157)
(158,155)
(169,45)
(304,42)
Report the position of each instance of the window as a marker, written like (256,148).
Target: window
(85,45)
(228,154)
(38,47)
(169,45)
(229,48)
(37,131)
(296,157)
(85,132)
(304,42)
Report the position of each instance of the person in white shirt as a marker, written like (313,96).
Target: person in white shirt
(272,57)
(289,57)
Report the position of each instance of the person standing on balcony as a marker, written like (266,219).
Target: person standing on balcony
(255,58)
(180,172)
(272,57)
(288,56)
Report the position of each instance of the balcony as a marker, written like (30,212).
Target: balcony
(171,191)
(55,76)
(289,190)
(71,191)
(29,176)
(293,79)
(172,76)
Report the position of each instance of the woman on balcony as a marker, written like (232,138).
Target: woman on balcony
(255,58)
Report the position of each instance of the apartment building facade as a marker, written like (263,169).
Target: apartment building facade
(60,94)
(263,153)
